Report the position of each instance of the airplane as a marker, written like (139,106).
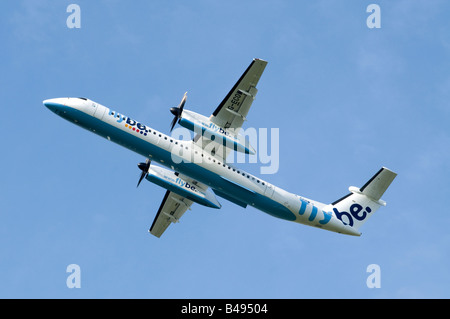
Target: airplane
(195,171)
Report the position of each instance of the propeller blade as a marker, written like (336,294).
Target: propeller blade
(183,102)
(141,178)
(176,111)
(174,122)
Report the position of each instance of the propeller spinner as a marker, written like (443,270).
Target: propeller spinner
(144,168)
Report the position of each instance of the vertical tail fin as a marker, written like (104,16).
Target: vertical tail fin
(355,208)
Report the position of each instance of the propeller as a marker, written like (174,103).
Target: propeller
(176,111)
(144,168)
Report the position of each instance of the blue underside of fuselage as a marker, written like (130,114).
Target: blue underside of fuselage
(164,157)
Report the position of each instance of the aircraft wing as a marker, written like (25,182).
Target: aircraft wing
(232,111)
(172,208)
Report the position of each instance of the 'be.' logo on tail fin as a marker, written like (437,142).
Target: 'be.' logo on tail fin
(356,211)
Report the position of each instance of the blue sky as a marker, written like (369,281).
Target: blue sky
(347,100)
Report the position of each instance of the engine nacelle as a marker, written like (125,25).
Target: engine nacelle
(199,123)
(171,181)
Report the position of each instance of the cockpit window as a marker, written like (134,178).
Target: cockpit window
(83,98)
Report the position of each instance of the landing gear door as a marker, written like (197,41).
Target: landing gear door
(269,190)
(99,110)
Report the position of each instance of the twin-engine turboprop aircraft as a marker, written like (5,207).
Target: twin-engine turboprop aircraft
(197,170)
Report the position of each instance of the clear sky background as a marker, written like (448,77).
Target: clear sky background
(347,100)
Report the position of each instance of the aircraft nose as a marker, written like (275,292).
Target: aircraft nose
(54,104)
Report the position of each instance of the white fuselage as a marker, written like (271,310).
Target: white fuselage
(187,158)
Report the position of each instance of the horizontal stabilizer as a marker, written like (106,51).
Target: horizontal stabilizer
(378,184)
